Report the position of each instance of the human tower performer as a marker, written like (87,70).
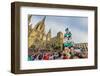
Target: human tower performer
(68,44)
(68,38)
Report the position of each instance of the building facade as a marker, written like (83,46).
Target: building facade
(37,37)
(84,46)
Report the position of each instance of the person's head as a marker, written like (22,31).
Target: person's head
(66,49)
(64,54)
(72,49)
(85,54)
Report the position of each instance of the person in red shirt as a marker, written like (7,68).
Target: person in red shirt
(66,53)
(46,56)
(64,56)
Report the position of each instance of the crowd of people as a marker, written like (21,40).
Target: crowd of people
(67,53)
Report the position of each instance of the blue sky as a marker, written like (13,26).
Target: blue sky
(77,25)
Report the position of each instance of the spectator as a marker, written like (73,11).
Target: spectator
(46,56)
(51,57)
(72,52)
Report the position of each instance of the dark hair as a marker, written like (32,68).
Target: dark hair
(40,56)
(64,54)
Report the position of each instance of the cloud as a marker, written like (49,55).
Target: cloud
(79,36)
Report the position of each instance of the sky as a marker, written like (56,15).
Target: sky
(77,25)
